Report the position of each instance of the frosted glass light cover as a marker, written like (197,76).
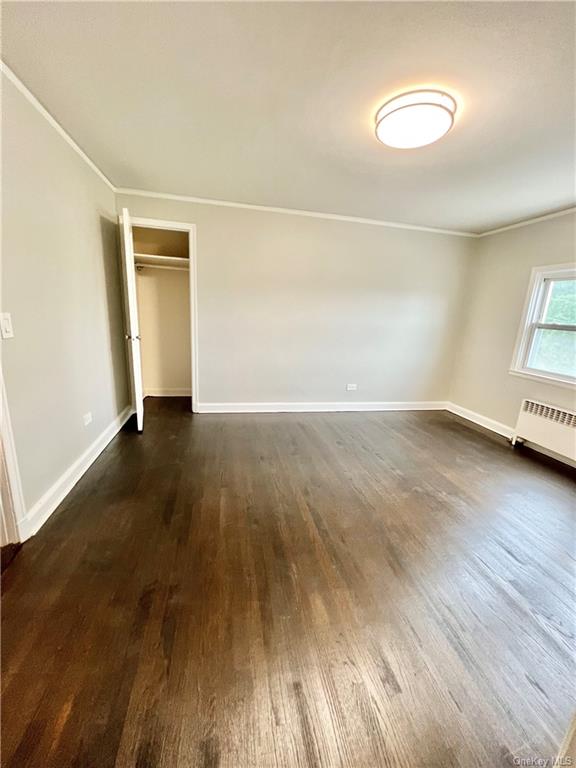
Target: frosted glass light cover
(415,119)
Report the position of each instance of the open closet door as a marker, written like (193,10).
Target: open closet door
(131,311)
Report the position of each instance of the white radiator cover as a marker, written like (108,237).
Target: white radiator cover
(548,426)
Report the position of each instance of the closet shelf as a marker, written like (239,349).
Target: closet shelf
(160,261)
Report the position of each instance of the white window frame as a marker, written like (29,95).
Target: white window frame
(533,310)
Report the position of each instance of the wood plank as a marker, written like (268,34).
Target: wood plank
(346,590)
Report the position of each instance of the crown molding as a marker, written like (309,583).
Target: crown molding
(290,212)
(29,96)
(528,222)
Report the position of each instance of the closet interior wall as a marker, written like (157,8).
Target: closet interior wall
(163,288)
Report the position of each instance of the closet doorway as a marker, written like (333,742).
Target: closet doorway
(159,274)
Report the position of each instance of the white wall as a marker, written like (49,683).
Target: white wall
(164,315)
(61,284)
(500,275)
(291,308)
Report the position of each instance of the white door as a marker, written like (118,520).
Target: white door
(131,312)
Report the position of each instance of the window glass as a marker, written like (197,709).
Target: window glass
(561,304)
(553,351)
(546,343)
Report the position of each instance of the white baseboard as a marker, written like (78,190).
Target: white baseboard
(426,405)
(168,392)
(45,506)
(482,421)
(505,431)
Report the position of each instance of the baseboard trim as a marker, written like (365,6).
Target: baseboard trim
(482,421)
(507,432)
(171,392)
(426,405)
(39,513)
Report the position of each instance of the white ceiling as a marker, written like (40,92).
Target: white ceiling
(272,103)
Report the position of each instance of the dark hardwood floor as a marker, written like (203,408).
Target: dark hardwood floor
(353,590)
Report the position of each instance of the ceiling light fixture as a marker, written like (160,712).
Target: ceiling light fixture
(415,118)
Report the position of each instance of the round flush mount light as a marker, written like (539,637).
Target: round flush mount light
(415,118)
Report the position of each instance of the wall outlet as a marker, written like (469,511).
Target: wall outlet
(351,387)
(6,325)
(87,418)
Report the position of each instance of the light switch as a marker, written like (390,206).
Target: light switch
(6,325)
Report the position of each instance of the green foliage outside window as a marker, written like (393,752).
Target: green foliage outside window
(554,351)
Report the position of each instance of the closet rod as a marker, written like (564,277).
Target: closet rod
(140,267)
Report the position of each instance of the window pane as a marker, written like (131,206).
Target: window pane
(554,352)
(561,306)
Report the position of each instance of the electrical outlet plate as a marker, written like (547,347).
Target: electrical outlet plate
(351,387)
(87,418)
(6,325)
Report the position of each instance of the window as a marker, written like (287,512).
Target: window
(546,346)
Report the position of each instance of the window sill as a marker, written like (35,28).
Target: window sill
(543,379)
